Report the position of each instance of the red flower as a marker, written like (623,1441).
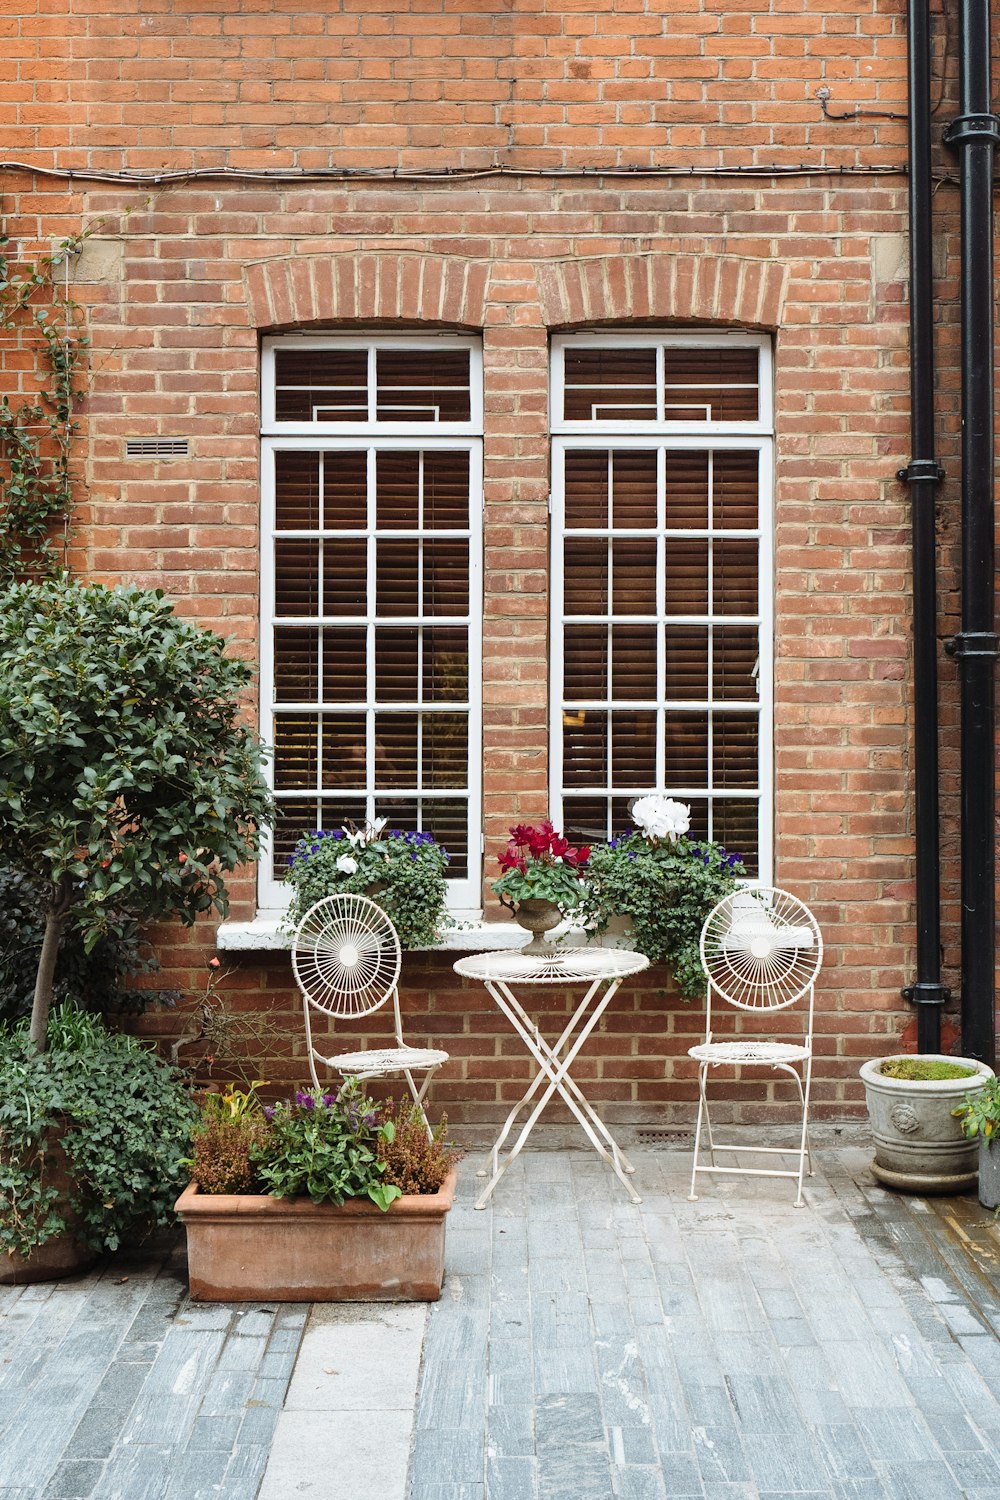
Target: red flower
(510,859)
(578,856)
(560,847)
(520,834)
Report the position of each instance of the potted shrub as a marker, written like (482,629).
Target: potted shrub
(93,1139)
(128,784)
(979,1117)
(403,872)
(919,1144)
(540,881)
(663,884)
(329,1197)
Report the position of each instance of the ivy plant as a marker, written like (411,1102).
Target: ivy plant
(120,1117)
(128,782)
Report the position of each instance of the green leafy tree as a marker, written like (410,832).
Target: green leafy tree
(127,781)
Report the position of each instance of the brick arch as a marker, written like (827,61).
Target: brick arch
(378,286)
(703,288)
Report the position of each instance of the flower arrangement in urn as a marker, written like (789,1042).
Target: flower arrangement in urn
(663,883)
(541,880)
(403,872)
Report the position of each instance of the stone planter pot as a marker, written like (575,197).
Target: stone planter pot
(919,1145)
(537,917)
(255,1248)
(989,1173)
(63,1255)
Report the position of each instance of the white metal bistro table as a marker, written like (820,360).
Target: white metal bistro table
(602,971)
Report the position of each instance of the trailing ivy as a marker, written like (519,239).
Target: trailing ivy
(37,427)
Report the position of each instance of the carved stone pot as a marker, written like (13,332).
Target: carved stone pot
(919,1145)
(538,917)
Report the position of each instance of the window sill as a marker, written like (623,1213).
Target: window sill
(263,935)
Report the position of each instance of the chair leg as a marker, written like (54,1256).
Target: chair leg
(804,1150)
(418,1096)
(702,1107)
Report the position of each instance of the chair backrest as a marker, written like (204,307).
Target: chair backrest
(761,949)
(346,956)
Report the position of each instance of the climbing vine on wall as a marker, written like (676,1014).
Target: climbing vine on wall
(43,350)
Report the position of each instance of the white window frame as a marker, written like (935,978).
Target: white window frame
(464,894)
(624,434)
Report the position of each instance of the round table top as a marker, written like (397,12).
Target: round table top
(562,966)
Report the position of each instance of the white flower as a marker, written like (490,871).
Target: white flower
(374,829)
(354,836)
(346,864)
(660,817)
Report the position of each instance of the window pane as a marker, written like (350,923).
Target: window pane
(734,750)
(423,385)
(633,489)
(735,491)
(446,664)
(687,491)
(585,747)
(295,744)
(395,750)
(321,385)
(634,576)
(344,761)
(585,661)
(396,578)
(633,654)
(296,491)
(344,658)
(710,385)
(345,490)
(447,818)
(585,576)
(734,577)
(293,818)
(446,490)
(446,577)
(444,754)
(734,657)
(609,384)
(345,577)
(296,578)
(396,659)
(685,747)
(686,662)
(735,824)
(633,748)
(586,820)
(586,486)
(397,491)
(296,666)
(686,570)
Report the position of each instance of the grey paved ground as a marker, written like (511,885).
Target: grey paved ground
(116,1386)
(728,1349)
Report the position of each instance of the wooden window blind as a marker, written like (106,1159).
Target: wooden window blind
(658,590)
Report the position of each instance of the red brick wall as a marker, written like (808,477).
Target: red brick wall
(181,280)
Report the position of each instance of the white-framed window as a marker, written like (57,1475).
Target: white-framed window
(371,592)
(662,580)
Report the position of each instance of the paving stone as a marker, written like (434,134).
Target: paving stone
(97,1432)
(509,1478)
(74,1480)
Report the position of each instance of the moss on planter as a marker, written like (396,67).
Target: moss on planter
(923,1070)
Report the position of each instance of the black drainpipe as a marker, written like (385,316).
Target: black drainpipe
(923,475)
(974,133)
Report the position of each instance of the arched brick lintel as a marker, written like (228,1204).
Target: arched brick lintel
(378,286)
(663,286)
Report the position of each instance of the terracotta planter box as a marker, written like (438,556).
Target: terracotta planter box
(254,1248)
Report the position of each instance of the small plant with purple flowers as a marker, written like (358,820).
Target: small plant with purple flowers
(403,871)
(664,884)
(325,1146)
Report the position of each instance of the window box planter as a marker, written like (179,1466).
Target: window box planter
(252,1247)
(919,1145)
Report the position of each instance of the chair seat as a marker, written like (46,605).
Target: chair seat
(380,1061)
(761,1054)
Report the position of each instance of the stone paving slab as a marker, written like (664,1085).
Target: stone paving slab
(735,1348)
(116,1386)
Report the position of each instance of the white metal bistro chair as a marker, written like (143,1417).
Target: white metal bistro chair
(346,959)
(761,951)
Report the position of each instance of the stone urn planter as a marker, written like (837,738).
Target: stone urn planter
(253,1248)
(919,1145)
(538,917)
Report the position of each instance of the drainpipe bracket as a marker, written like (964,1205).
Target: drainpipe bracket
(920,468)
(926,992)
(973,643)
(968,129)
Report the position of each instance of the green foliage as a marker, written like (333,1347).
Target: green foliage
(123,1119)
(94,979)
(666,889)
(413,1162)
(408,870)
(325,1146)
(36,433)
(923,1069)
(539,864)
(979,1113)
(127,782)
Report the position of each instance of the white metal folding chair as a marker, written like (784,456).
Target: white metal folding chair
(346,960)
(761,950)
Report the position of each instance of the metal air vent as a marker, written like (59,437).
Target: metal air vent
(654,1135)
(156,447)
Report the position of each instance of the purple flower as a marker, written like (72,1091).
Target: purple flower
(338,833)
(631,854)
(306,1101)
(330,1100)
(269,1111)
